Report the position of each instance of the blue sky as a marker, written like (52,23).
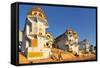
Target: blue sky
(81,20)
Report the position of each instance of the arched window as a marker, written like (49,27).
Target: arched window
(35,13)
(40,14)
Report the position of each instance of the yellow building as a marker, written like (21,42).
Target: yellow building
(34,35)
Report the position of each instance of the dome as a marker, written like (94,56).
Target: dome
(37,11)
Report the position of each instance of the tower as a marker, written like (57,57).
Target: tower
(34,35)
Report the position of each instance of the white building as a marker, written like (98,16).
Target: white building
(92,49)
(86,45)
(68,41)
(20,40)
(34,35)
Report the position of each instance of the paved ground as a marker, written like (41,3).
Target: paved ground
(62,56)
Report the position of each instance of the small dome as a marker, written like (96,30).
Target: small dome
(36,10)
